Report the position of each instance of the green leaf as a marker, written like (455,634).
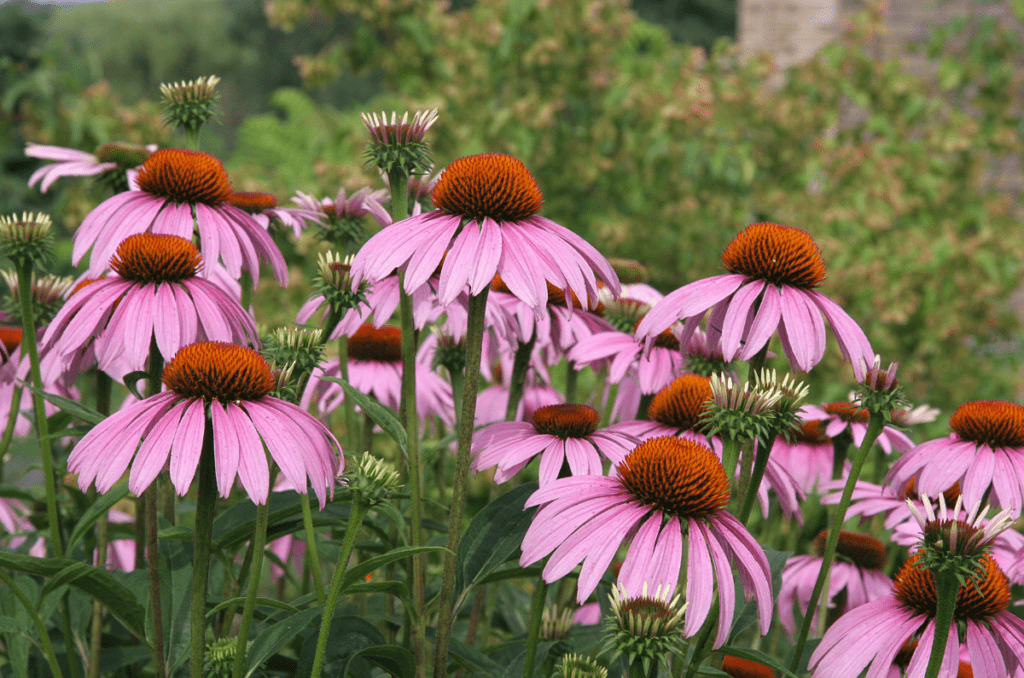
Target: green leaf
(357,572)
(346,637)
(397,661)
(99,508)
(277,636)
(745,612)
(385,417)
(75,409)
(92,581)
(12,625)
(234,527)
(131,382)
(514,573)
(494,534)
(265,602)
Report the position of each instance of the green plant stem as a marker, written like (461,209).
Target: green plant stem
(606,416)
(540,594)
(246,290)
(874,429)
(517,381)
(206,506)
(946,590)
(645,405)
(12,420)
(28,342)
(760,464)
(474,343)
(96,628)
(415,472)
(840,445)
(571,378)
(37,620)
(312,557)
(259,545)
(355,519)
(153,567)
(347,407)
(702,641)
(730,455)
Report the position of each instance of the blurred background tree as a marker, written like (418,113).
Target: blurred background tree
(647,131)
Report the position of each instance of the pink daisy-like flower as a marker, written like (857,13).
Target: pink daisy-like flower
(654,371)
(857,572)
(15,523)
(70,162)
(841,416)
(177,192)
(362,203)
(871,636)
(985,452)
(870,499)
(223,387)
(560,434)
(678,410)
(773,271)
(153,293)
(808,455)
(665,490)
(375,368)
(263,207)
(486,224)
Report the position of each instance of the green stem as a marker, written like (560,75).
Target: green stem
(571,378)
(533,636)
(606,416)
(415,471)
(645,405)
(730,455)
(96,628)
(12,420)
(153,558)
(760,464)
(702,641)
(355,519)
(446,612)
(312,557)
(259,545)
(206,506)
(44,637)
(840,446)
(28,342)
(757,362)
(947,588)
(348,407)
(874,429)
(246,290)
(517,381)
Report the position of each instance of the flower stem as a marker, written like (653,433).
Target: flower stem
(609,404)
(12,420)
(153,567)
(259,544)
(533,635)
(474,343)
(28,341)
(571,378)
(947,589)
(415,471)
(730,455)
(312,557)
(348,408)
(206,506)
(702,641)
(517,381)
(760,464)
(355,519)
(874,429)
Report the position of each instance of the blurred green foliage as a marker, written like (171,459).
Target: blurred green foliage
(651,149)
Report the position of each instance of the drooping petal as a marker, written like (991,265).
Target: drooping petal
(188,446)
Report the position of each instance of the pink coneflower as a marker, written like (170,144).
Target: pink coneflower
(840,416)
(560,434)
(773,271)
(870,499)
(375,368)
(678,410)
(70,162)
(263,207)
(486,224)
(214,389)
(857,577)
(362,203)
(654,371)
(985,451)
(664,490)
(176,189)
(153,293)
(15,523)
(808,455)
(873,634)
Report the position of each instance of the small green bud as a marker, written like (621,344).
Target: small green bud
(644,629)
(578,666)
(188,105)
(398,145)
(47,296)
(334,283)
(26,239)
(295,352)
(373,479)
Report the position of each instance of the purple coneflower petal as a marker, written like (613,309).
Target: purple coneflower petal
(688,301)
(919,662)
(769,313)
(853,343)
(225,442)
(700,580)
(188,446)
(739,317)
(253,470)
(986,658)
(152,455)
